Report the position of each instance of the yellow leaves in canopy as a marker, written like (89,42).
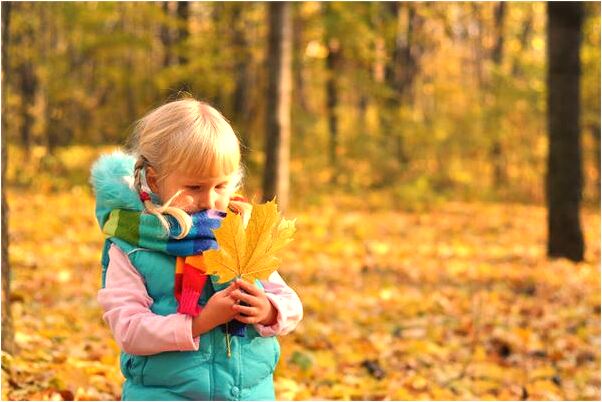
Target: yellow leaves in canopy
(250,253)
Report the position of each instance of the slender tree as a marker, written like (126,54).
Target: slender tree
(333,70)
(26,77)
(183,12)
(564,180)
(496,152)
(590,117)
(166,35)
(278,130)
(127,22)
(8,344)
(242,71)
(403,68)
(526,33)
(299,90)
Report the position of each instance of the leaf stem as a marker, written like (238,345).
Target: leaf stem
(228,348)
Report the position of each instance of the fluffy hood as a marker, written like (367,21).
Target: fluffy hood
(112,178)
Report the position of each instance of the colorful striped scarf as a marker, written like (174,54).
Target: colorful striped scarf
(144,230)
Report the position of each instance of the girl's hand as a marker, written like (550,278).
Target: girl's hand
(217,311)
(259,310)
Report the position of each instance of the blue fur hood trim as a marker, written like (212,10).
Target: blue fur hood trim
(112,178)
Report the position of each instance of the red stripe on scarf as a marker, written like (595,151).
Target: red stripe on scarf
(189,283)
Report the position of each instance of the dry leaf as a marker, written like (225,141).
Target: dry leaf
(249,253)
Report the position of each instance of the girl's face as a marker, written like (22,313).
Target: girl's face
(197,193)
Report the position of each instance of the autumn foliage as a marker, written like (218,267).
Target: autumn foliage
(418,158)
(454,302)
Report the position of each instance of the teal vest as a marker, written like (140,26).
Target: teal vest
(206,374)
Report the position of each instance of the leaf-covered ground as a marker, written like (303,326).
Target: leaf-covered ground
(457,303)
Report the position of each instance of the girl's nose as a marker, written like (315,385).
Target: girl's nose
(206,200)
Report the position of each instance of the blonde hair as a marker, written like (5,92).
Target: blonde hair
(188,135)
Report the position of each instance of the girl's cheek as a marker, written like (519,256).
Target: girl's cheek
(185,201)
(223,202)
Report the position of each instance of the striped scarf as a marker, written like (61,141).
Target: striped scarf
(145,231)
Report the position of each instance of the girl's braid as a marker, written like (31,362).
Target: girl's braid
(181,216)
(140,164)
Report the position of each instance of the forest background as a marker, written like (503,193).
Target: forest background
(418,150)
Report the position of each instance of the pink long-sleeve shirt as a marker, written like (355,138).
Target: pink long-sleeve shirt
(137,330)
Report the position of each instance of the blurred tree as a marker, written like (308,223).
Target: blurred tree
(496,153)
(564,176)
(397,57)
(278,113)
(242,73)
(8,344)
(525,37)
(183,12)
(183,29)
(299,88)
(220,55)
(401,71)
(127,22)
(54,131)
(166,35)
(333,70)
(453,92)
(590,84)
(27,76)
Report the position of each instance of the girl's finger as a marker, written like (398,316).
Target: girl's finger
(245,319)
(248,311)
(248,287)
(228,291)
(245,297)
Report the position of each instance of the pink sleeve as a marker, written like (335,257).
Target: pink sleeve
(286,302)
(126,305)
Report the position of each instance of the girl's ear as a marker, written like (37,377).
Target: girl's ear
(151,179)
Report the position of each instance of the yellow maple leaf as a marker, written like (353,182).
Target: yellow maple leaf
(249,253)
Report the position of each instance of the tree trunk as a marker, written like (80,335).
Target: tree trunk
(8,344)
(380,48)
(242,71)
(52,128)
(524,39)
(496,152)
(166,36)
(564,180)
(183,31)
(400,73)
(298,64)
(278,130)
(28,83)
(25,76)
(333,65)
(183,12)
(498,50)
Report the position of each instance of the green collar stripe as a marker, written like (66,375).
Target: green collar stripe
(110,226)
(128,226)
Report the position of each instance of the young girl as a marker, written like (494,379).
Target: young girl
(182,335)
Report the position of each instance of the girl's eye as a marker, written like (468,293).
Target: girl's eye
(193,188)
